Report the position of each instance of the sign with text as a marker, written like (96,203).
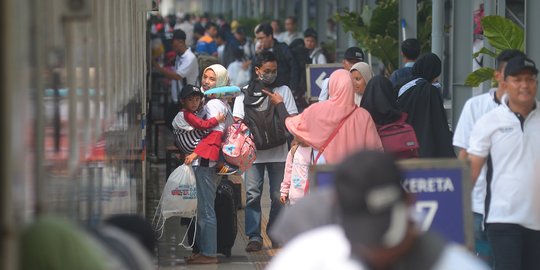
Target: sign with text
(315,75)
(441,188)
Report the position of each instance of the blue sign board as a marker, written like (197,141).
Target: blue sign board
(441,189)
(315,75)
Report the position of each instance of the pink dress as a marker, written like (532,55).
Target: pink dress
(296,174)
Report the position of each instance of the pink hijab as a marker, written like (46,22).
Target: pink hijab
(316,124)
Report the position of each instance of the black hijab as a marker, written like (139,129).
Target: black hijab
(379,101)
(424,105)
(428,67)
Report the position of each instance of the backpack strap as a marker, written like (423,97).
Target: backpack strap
(321,150)
(323,147)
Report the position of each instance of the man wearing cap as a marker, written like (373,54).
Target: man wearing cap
(352,56)
(506,139)
(410,50)
(475,108)
(312,44)
(375,229)
(186,68)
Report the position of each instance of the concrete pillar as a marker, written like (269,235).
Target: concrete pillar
(532,39)
(462,34)
(408,22)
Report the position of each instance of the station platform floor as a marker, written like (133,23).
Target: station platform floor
(169,255)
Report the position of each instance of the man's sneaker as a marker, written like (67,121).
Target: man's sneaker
(253,246)
(227,169)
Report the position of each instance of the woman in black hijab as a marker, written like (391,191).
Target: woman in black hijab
(379,101)
(423,103)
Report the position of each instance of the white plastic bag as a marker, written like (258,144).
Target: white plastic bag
(179,197)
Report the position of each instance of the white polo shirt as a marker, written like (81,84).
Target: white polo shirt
(186,66)
(515,154)
(475,108)
(278,153)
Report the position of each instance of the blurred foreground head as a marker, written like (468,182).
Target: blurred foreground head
(372,200)
(55,244)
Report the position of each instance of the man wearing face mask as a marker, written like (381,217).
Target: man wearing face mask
(255,109)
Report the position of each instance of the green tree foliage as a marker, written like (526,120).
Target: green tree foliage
(501,34)
(377,30)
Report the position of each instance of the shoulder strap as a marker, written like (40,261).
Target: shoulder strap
(321,150)
(294,148)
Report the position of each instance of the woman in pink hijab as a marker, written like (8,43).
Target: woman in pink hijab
(316,124)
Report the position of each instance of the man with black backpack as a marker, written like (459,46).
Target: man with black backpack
(260,115)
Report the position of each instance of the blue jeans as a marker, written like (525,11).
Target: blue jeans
(481,244)
(514,247)
(207,182)
(254,187)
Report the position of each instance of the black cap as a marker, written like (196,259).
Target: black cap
(190,90)
(518,64)
(179,34)
(371,199)
(354,54)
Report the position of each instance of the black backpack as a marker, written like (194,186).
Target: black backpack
(262,119)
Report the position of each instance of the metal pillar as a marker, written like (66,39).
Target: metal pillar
(353,6)
(437,27)
(322,16)
(501,8)
(408,22)
(342,42)
(462,34)
(235,9)
(489,9)
(303,25)
(532,39)
(289,8)
(276,10)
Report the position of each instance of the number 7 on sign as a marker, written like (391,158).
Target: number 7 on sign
(428,216)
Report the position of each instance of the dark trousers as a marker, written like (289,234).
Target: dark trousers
(514,247)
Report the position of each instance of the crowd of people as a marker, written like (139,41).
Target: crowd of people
(495,132)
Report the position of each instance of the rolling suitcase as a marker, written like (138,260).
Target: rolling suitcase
(225,207)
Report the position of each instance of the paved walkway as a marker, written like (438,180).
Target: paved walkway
(169,255)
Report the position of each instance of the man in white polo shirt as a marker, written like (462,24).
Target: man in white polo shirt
(475,108)
(186,67)
(507,138)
